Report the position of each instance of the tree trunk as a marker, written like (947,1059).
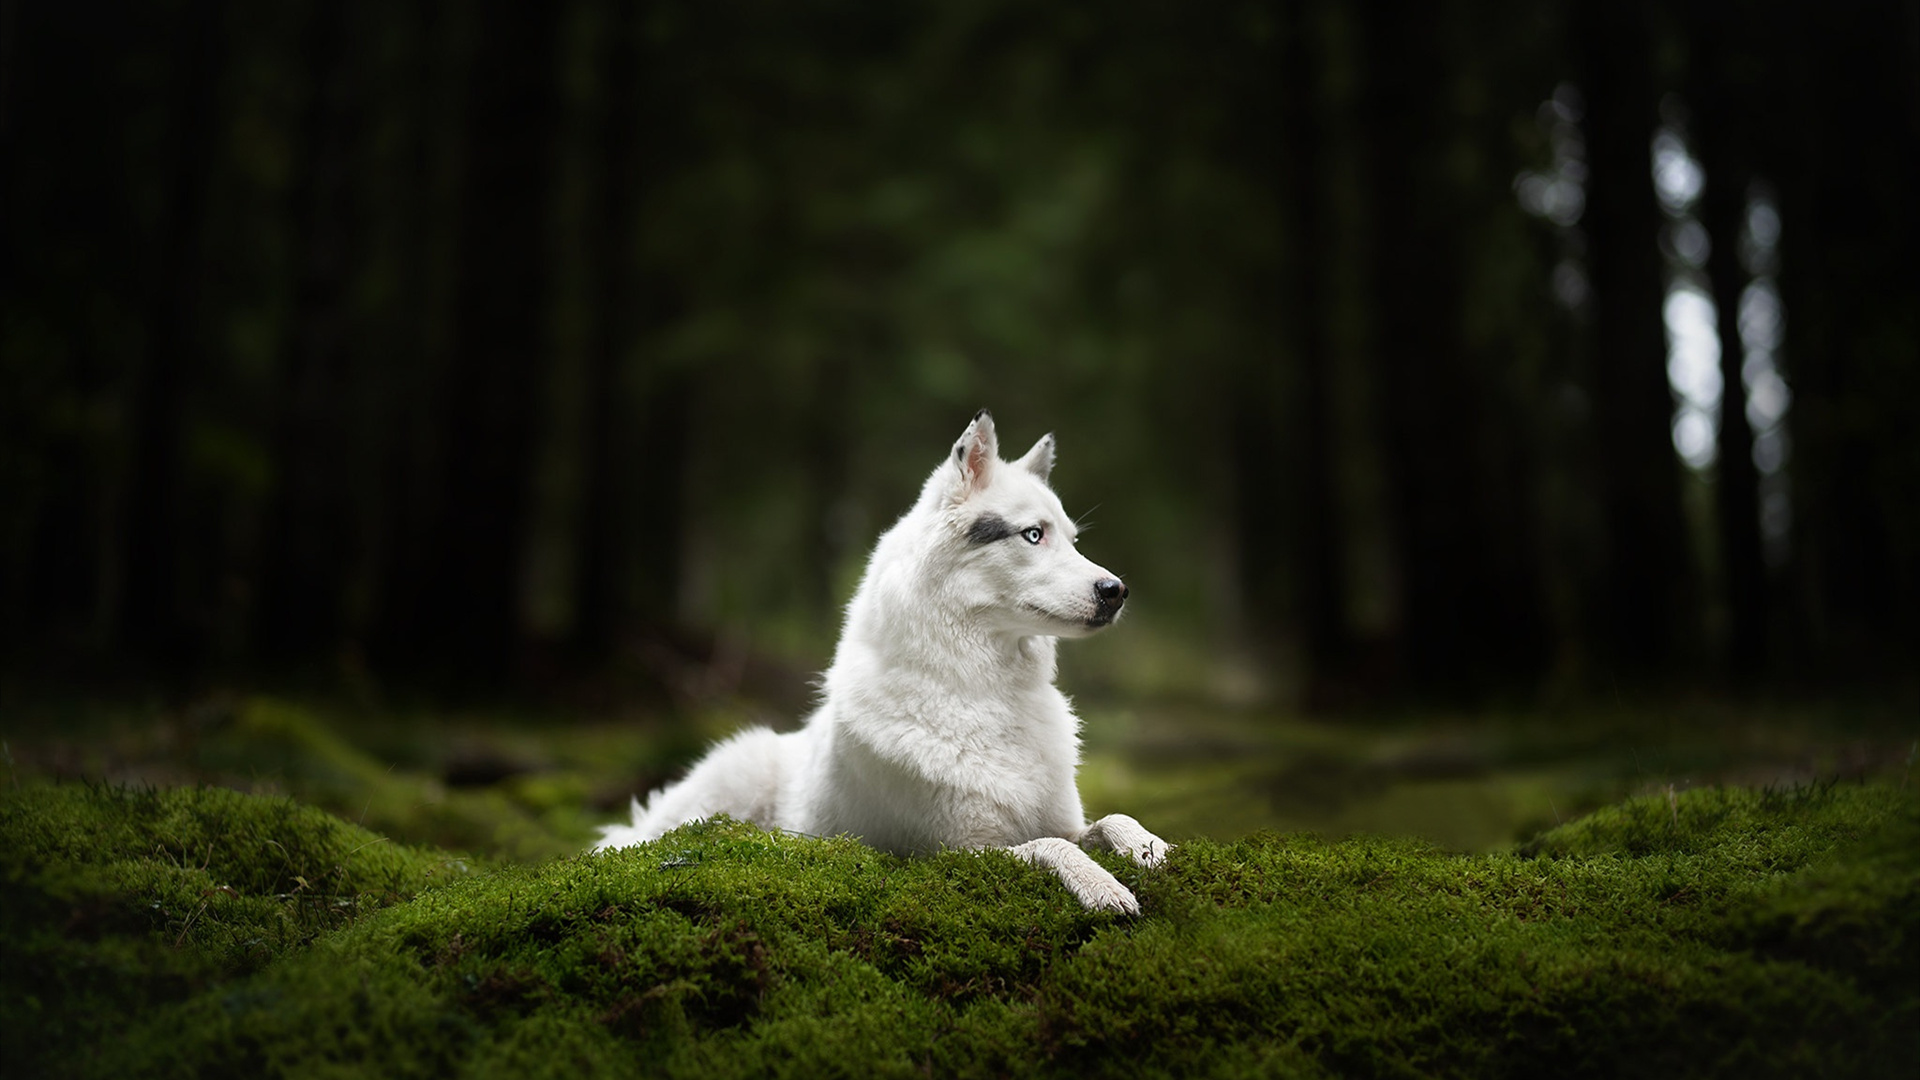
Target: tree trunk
(469,611)
(1737,482)
(629,555)
(1471,615)
(154,618)
(1321,566)
(1849,228)
(303,573)
(1644,569)
(600,601)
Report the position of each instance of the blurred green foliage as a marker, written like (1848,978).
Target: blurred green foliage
(487,346)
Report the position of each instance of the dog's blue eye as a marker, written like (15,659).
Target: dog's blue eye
(1032,533)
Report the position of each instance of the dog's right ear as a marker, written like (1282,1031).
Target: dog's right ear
(975,456)
(1039,460)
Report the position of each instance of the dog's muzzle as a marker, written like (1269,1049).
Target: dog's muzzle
(1108,595)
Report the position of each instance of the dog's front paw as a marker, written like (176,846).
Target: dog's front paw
(1150,853)
(1118,832)
(1088,881)
(1108,895)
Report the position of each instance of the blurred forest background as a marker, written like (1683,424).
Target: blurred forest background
(1402,353)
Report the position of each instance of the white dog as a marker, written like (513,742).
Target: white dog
(940,726)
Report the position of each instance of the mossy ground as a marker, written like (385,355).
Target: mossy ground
(198,931)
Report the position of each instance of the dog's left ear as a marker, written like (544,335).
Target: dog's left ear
(976,455)
(1039,460)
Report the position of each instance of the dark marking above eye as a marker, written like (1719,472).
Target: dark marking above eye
(988,528)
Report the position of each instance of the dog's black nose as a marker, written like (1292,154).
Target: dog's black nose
(1111,592)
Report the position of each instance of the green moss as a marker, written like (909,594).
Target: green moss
(1726,932)
(120,898)
(1854,910)
(286,746)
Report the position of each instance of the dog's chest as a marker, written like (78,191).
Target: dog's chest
(918,781)
(980,743)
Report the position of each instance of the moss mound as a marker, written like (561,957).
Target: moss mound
(1723,932)
(118,899)
(534,817)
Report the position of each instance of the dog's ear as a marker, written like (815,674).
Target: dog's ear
(1039,460)
(976,455)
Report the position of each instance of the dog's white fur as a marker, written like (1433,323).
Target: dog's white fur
(940,725)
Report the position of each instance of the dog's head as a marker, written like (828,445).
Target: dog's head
(1010,544)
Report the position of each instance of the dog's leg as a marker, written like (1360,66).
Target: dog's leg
(1118,832)
(1087,880)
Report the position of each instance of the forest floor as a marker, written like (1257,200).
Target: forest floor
(260,887)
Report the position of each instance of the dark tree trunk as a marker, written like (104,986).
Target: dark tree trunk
(1321,567)
(1727,103)
(67,261)
(1471,614)
(154,618)
(468,616)
(1278,428)
(9,124)
(654,542)
(56,606)
(600,601)
(1644,570)
(1261,497)
(1412,298)
(1737,482)
(1849,229)
(629,556)
(304,567)
(411,232)
(1255,393)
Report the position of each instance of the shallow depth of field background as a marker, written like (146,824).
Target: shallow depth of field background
(1493,409)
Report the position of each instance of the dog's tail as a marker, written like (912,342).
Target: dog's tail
(741,777)
(618,835)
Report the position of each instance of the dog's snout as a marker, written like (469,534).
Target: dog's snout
(1111,592)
